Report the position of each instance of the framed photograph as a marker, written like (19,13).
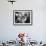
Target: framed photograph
(22,17)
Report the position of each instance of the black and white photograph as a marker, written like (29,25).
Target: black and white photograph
(22,17)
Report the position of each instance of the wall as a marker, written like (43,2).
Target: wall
(38,30)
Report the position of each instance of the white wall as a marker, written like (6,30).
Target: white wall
(38,30)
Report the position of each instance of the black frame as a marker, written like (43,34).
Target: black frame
(22,23)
